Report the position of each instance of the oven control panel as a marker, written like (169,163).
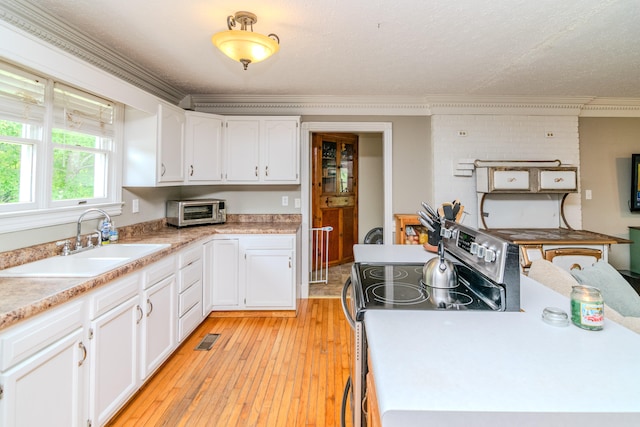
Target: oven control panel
(480,250)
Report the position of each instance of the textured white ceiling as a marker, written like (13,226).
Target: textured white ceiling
(380,47)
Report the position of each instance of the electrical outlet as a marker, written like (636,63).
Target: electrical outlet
(549,134)
(462,133)
(135,206)
(588,195)
(285,200)
(296,203)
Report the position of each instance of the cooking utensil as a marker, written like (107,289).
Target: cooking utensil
(430,211)
(426,224)
(455,208)
(447,209)
(439,272)
(426,217)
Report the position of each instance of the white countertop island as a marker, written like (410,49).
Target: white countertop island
(443,368)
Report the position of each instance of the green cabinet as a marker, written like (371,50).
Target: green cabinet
(634,234)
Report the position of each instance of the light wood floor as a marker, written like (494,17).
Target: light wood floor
(260,372)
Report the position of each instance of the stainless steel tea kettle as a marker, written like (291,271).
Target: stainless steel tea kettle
(439,272)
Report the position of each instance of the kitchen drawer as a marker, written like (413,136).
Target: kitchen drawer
(510,180)
(189,298)
(189,255)
(115,294)
(189,275)
(271,241)
(558,180)
(159,270)
(27,339)
(188,322)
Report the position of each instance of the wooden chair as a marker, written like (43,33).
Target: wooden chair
(570,258)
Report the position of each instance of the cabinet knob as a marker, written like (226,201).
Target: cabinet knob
(150,305)
(191,173)
(256,171)
(163,169)
(266,171)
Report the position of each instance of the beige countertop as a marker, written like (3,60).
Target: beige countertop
(21,298)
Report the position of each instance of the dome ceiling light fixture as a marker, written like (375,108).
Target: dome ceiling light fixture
(243,45)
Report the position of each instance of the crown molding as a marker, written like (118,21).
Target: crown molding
(309,105)
(33,20)
(413,106)
(612,107)
(513,105)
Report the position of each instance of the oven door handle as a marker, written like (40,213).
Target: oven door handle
(343,408)
(345,308)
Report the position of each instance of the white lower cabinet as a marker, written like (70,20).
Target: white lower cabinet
(114,356)
(132,331)
(254,272)
(269,278)
(42,370)
(159,321)
(45,390)
(225,272)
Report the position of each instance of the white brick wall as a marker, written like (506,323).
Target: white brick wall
(493,137)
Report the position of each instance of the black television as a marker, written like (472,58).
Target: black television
(634,202)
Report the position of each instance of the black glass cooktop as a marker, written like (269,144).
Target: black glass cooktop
(400,286)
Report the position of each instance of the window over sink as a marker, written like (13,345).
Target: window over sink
(58,151)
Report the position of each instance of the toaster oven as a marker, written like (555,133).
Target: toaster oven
(182,213)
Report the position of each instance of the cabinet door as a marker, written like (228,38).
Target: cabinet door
(269,278)
(46,389)
(242,146)
(280,151)
(159,324)
(225,286)
(203,148)
(171,144)
(114,358)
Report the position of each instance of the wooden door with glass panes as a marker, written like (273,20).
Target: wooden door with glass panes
(335,192)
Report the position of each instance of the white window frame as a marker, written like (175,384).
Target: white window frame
(43,211)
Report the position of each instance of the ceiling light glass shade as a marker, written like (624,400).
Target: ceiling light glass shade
(245,46)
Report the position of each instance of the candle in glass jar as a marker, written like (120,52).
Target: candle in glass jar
(587,307)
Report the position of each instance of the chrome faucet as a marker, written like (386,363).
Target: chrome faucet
(78,236)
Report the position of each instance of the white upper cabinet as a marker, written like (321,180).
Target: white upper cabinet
(262,150)
(280,150)
(171,143)
(154,147)
(242,147)
(174,147)
(203,139)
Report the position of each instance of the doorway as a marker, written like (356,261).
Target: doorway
(334,195)
(308,128)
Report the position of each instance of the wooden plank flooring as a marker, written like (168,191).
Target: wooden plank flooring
(260,372)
